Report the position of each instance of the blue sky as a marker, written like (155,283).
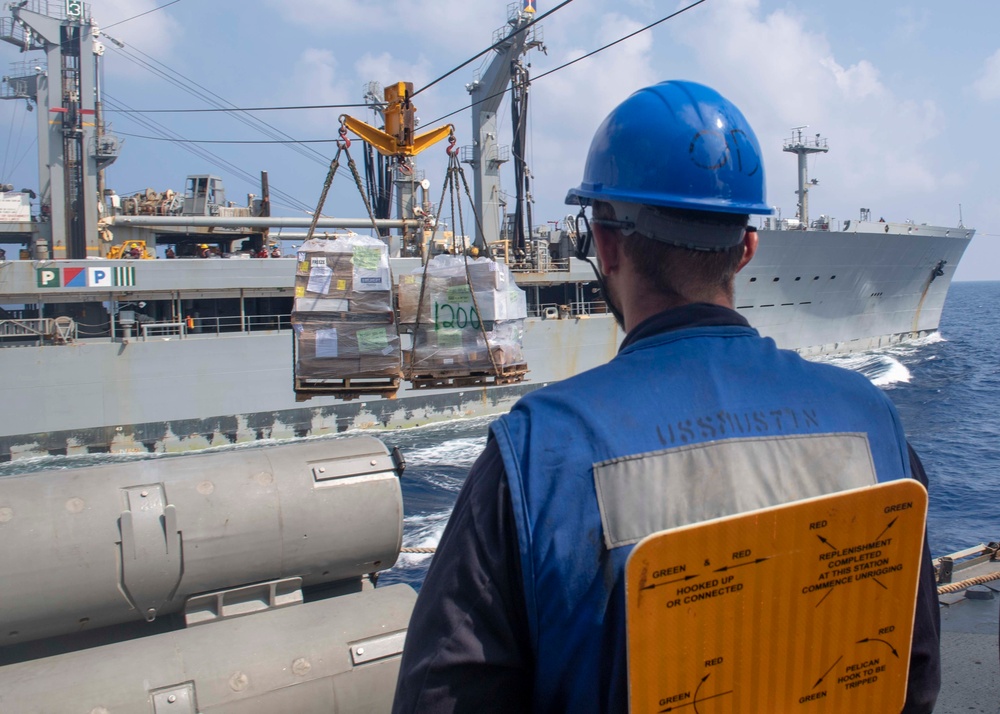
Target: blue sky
(905,92)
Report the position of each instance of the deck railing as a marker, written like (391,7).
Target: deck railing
(39,329)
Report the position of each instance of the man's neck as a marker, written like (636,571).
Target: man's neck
(639,306)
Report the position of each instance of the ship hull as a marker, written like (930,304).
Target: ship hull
(811,291)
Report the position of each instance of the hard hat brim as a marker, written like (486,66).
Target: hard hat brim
(582,196)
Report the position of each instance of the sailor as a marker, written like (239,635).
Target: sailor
(170,254)
(523,606)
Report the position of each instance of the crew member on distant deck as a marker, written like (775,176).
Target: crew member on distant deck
(3,254)
(523,607)
(275,251)
(169,253)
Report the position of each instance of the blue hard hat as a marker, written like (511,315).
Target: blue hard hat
(675,144)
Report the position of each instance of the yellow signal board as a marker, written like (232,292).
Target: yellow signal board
(806,607)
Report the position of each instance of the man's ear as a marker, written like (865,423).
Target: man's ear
(608,245)
(749,248)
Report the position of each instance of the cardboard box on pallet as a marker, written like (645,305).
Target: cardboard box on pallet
(458,349)
(347,349)
(350,268)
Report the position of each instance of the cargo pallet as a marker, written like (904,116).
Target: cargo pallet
(346,388)
(442,378)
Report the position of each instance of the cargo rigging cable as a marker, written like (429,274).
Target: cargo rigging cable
(210,157)
(205,94)
(494,46)
(450,186)
(141,14)
(574,61)
(450,72)
(291,142)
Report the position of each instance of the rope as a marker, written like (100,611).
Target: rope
(964,584)
(417,550)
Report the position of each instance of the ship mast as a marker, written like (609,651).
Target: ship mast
(802,147)
(72,146)
(485,155)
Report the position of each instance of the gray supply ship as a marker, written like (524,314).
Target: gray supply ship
(113,354)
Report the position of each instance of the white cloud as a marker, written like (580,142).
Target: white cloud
(574,101)
(155,33)
(783,74)
(987,86)
(463,26)
(856,82)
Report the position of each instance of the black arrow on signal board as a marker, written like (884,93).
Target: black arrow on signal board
(884,642)
(668,582)
(820,680)
(724,568)
(827,543)
(891,524)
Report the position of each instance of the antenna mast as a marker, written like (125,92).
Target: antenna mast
(802,147)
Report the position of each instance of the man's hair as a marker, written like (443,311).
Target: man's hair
(682,273)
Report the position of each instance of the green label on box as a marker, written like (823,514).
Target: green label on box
(449,339)
(374,339)
(366,257)
(460,293)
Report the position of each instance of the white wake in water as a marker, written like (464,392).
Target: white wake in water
(884,367)
(423,531)
(455,452)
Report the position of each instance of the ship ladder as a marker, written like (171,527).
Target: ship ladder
(423,377)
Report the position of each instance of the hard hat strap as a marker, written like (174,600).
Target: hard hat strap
(581,247)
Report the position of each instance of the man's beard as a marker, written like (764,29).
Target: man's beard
(611,302)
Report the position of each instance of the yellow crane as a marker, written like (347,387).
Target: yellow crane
(398,139)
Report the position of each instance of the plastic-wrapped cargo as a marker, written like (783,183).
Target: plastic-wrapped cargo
(343,349)
(345,274)
(454,332)
(343,317)
(448,302)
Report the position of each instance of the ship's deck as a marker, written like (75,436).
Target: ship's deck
(970,617)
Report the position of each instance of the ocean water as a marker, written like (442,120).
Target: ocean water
(946,388)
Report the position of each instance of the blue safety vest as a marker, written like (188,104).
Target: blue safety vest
(680,427)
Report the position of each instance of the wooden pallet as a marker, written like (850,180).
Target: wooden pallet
(443,378)
(347,388)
